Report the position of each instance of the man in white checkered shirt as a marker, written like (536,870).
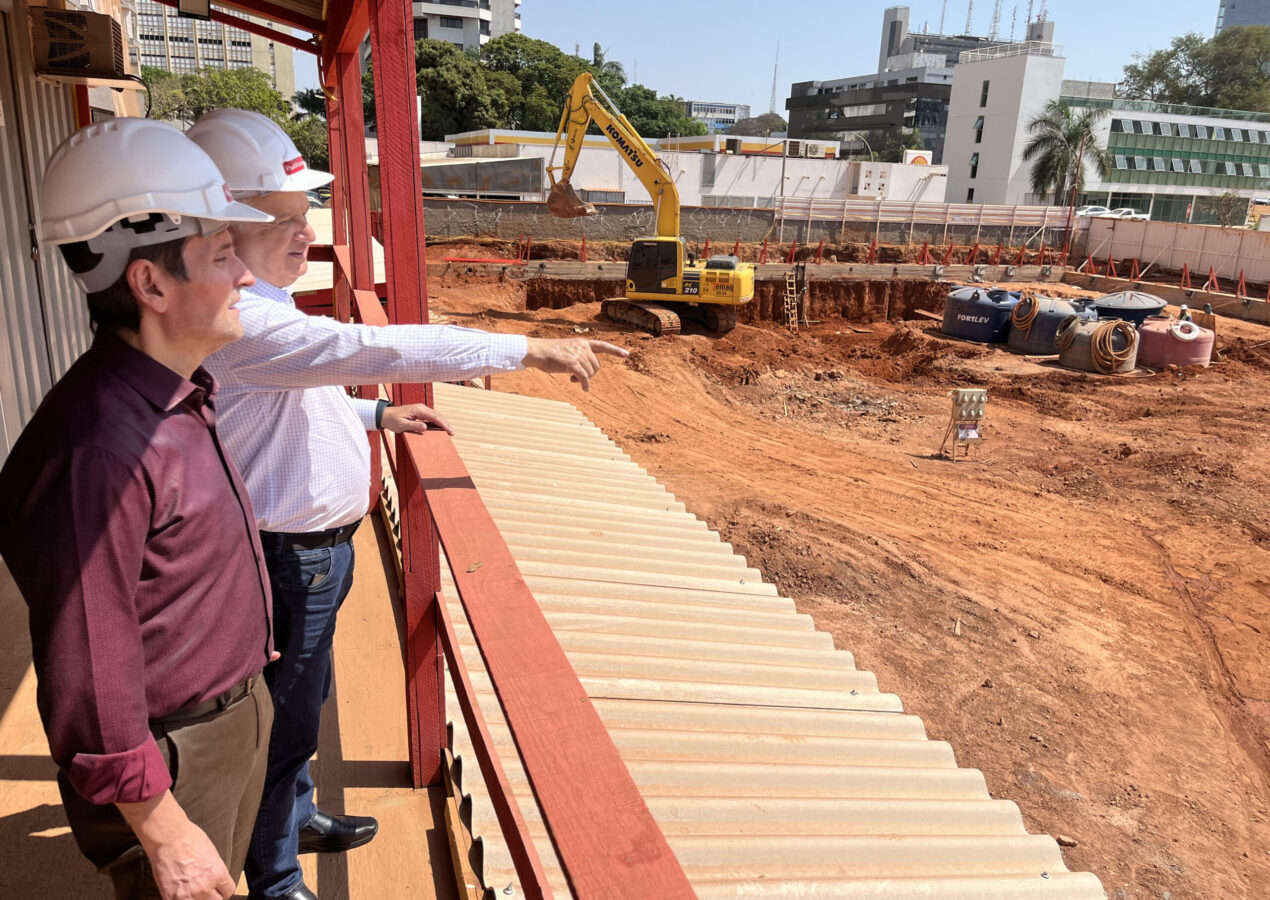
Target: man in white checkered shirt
(300,442)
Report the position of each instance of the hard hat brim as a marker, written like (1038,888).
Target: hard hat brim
(308,180)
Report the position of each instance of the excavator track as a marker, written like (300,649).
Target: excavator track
(720,319)
(654,318)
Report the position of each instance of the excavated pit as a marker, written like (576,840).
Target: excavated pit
(859,301)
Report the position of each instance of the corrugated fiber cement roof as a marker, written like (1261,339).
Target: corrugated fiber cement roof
(774,766)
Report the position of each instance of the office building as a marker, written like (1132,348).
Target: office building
(181,45)
(1169,161)
(869,114)
(716,116)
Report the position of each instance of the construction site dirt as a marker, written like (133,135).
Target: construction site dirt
(1080,607)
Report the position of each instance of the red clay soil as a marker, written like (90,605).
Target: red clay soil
(1080,608)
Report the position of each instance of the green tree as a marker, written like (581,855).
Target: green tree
(653,116)
(454,92)
(310,102)
(1229,71)
(545,74)
(1054,149)
(609,72)
(185,98)
(759,126)
(892,146)
(308,133)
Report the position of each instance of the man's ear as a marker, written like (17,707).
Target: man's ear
(150,285)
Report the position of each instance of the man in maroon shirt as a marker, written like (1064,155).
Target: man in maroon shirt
(131,536)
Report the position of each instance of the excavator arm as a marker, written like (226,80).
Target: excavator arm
(581,108)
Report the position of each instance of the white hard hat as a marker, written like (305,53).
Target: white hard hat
(126,183)
(254,153)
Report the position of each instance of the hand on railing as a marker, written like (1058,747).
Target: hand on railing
(576,357)
(415,418)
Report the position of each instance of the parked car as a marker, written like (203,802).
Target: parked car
(1126,212)
(1083,211)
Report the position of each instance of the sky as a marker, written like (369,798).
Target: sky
(725,51)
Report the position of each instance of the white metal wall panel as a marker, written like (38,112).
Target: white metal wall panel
(48,118)
(24,371)
(45,324)
(773,766)
(1170,245)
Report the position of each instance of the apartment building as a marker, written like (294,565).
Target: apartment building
(467,24)
(178,44)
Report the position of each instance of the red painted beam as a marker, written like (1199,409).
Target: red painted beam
(275,13)
(347,22)
(605,836)
(533,880)
(290,40)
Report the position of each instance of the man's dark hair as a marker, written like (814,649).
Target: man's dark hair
(114,308)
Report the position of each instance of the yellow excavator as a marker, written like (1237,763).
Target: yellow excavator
(663,281)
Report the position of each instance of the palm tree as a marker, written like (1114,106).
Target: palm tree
(1055,145)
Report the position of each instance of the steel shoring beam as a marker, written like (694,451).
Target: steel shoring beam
(280,37)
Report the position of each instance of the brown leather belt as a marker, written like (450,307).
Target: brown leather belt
(188,715)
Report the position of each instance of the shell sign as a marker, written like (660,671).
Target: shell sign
(916,158)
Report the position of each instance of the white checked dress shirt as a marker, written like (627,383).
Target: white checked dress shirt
(297,437)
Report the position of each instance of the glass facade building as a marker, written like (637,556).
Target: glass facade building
(1174,161)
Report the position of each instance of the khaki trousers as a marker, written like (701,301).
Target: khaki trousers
(217,762)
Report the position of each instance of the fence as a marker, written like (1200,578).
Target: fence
(1229,252)
(910,222)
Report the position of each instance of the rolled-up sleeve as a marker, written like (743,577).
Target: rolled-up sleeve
(85,627)
(285,348)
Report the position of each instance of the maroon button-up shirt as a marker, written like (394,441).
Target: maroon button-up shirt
(133,542)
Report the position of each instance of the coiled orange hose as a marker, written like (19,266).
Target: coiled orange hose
(1022,321)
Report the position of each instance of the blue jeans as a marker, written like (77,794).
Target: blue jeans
(308,588)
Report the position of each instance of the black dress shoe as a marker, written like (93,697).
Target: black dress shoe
(335,834)
(299,892)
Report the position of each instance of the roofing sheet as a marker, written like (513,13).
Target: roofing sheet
(773,765)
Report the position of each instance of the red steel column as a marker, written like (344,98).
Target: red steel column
(401,198)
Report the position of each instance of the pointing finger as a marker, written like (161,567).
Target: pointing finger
(610,349)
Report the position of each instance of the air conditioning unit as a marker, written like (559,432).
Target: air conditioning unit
(732,145)
(794,148)
(814,151)
(71,42)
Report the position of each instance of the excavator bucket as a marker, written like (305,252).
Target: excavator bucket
(564,203)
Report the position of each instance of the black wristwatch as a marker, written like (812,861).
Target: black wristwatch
(379,413)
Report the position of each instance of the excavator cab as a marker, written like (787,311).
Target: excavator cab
(654,265)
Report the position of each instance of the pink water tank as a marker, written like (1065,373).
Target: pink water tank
(1164,341)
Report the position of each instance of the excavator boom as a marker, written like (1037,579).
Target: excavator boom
(581,108)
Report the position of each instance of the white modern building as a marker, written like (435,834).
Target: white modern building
(1242,12)
(467,24)
(1169,161)
(995,93)
(716,116)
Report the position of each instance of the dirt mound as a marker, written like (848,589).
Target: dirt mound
(1255,355)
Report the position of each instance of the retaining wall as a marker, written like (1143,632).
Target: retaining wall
(618,222)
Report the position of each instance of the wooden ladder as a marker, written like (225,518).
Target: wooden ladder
(791,300)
